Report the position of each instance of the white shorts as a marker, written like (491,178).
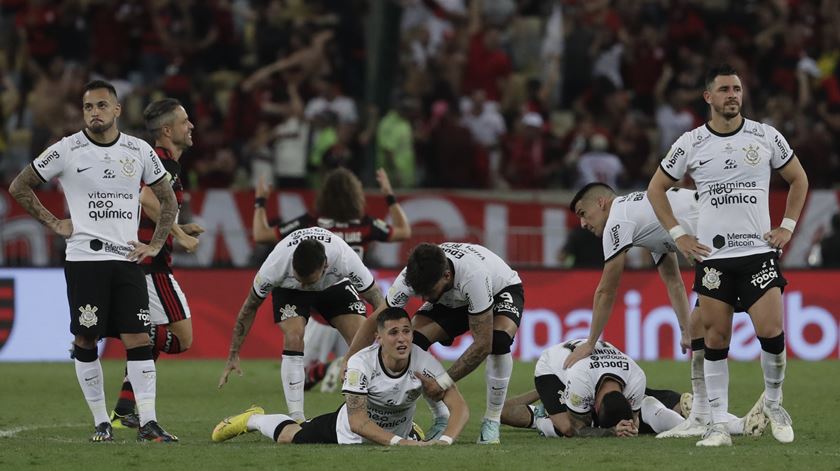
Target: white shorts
(167,303)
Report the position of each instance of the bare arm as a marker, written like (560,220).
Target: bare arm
(481,327)
(21,190)
(260,228)
(360,423)
(151,206)
(794,174)
(669,271)
(373,295)
(168,211)
(244,321)
(459,412)
(365,335)
(688,244)
(581,426)
(401,227)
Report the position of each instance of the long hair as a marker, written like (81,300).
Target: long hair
(341,197)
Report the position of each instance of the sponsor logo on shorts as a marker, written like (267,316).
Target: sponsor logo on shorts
(358,307)
(765,276)
(88,318)
(506,305)
(143,316)
(711,280)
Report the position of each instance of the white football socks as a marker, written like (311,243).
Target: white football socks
(91,380)
(717,385)
(266,424)
(773,366)
(293,374)
(700,403)
(659,417)
(143,377)
(497,373)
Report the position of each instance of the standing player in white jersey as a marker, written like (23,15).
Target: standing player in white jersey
(466,287)
(309,268)
(730,159)
(100,170)
(381,388)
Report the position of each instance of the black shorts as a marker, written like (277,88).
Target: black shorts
(550,389)
(107,298)
(739,280)
(341,298)
(320,429)
(508,302)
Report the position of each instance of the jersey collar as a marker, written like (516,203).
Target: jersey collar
(119,135)
(731,133)
(386,371)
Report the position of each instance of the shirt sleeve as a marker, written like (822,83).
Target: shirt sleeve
(153,169)
(355,270)
(617,237)
(380,230)
(579,394)
(357,378)
(676,160)
(635,391)
(269,274)
(478,291)
(429,365)
(399,292)
(780,150)
(51,162)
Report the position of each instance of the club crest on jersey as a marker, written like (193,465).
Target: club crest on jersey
(287,312)
(751,155)
(88,317)
(711,280)
(128,167)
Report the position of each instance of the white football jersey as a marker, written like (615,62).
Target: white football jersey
(102,187)
(581,380)
(479,275)
(632,222)
(391,400)
(342,263)
(732,174)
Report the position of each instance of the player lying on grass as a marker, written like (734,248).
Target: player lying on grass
(381,388)
(603,395)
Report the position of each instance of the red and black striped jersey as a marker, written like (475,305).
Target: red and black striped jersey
(162,262)
(358,233)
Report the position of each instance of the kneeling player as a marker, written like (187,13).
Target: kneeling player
(381,388)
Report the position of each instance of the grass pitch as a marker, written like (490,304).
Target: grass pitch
(45,423)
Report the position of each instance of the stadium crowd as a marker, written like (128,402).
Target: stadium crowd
(486,94)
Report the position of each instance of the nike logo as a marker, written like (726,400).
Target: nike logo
(80,170)
(704,162)
(92,377)
(764,285)
(496,389)
(294,384)
(148,371)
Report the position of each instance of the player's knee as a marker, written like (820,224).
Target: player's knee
(501,342)
(141,353)
(85,355)
(288,436)
(773,345)
(421,341)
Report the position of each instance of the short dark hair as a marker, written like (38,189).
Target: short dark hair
(614,408)
(157,113)
(309,257)
(390,314)
(99,84)
(714,72)
(586,189)
(426,266)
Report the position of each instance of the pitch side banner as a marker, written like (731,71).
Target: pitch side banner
(527,233)
(34,316)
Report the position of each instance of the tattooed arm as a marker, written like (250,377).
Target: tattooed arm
(581,426)
(244,321)
(481,327)
(373,295)
(21,190)
(168,211)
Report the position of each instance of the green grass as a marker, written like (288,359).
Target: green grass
(45,423)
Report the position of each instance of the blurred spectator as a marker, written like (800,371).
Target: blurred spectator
(830,245)
(525,153)
(488,66)
(395,144)
(453,158)
(597,164)
(487,127)
(582,250)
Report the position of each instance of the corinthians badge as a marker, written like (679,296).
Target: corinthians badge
(128,167)
(88,317)
(711,280)
(751,155)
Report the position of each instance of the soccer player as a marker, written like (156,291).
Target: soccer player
(465,287)
(340,208)
(381,388)
(309,268)
(168,122)
(602,395)
(101,170)
(730,159)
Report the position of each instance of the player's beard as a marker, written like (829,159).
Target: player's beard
(101,126)
(727,114)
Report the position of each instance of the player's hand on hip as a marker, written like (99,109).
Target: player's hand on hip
(231,365)
(64,228)
(431,388)
(192,229)
(692,249)
(141,251)
(580,352)
(778,237)
(189,243)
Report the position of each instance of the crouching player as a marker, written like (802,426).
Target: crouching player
(381,388)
